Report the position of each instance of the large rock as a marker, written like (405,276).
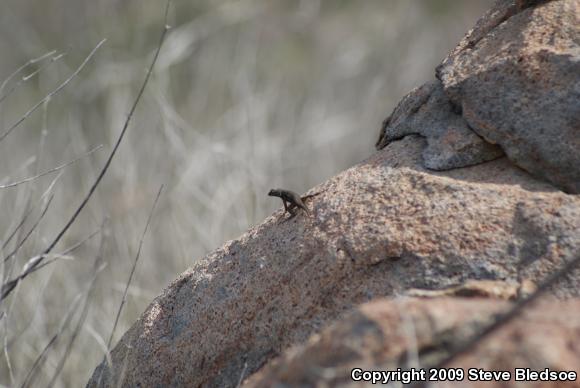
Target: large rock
(387,334)
(516,77)
(512,82)
(382,227)
(427,111)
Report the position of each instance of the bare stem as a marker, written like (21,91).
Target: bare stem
(51,94)
(54,169)
(27,235)
(124,299)
(30,62)
(29,76)
(10,285)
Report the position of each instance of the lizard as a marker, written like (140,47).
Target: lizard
(291,200)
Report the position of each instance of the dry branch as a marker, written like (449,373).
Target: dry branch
(32,229)
(10,285)
(29,76)
(54,169)
(124,299)
(51,94)
(24,66)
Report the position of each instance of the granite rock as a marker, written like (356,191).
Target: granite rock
(516,77)
(427,111)
(387,334)
(378,229)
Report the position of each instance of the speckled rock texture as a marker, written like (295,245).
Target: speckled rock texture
(386,334)
(512,82)
(377,229)
(516,78)
(450,142)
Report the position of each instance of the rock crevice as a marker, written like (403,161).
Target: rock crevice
(515,79)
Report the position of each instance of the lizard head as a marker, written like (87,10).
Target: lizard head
(274,193)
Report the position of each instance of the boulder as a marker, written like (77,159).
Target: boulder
(387,334)
(427,111)
(516,78)
(512,82)
(377,229)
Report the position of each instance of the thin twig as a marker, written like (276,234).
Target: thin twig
(59,256)
(79,325)
(9,286)
(30,62)
(124,299)
(23,220)
(22,328)
(55,91)
(32,229)
(28,380)
(4,314)
(29,76)
(5,350)
(31,375)
(68,317)
(54,169)
(20,224)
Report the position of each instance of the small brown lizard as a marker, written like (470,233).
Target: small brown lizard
(291,200)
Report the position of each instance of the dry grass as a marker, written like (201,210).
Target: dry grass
(245,96)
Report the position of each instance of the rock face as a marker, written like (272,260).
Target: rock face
(524,93)
(381,335)
(515,81)
(450,142)
(377,229)
(389,226)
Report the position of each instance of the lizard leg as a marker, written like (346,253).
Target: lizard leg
(288,207)
(293,210)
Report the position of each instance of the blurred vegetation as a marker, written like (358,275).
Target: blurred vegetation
(246,96)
